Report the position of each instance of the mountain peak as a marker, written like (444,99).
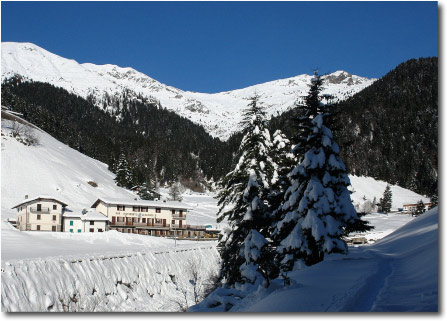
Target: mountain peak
(218,113)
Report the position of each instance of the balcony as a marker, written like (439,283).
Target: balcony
(196,227)
(42,210)
(140,224)
(157,225)
(178,217)
(178,226)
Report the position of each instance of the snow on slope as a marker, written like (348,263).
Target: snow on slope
(397,274)
(108,271)
(150,281)
(218,113)
(368,187)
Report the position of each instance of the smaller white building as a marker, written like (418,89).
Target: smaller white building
(86,221)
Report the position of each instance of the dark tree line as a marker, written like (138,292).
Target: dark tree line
(158,144)
(389,130)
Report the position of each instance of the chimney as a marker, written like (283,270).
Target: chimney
(84,211)
(26,196)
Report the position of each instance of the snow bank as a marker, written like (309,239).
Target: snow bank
(149,281)
(398,273)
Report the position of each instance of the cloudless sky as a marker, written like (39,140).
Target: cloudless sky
(220,46)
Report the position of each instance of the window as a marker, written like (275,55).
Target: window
(136,208)
(158,210)
(79,231)
(38,227)
(92,230)
(39,207)
(144,209)
(173,211)
(121,208)
(173,221)
(144,220)
(54,207)
(71,223)
(71,230)
(100,230)
(53,228)
(54,217)
(92,222)
(38,216)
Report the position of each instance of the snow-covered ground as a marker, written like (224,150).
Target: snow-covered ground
(397,274)
(146,280)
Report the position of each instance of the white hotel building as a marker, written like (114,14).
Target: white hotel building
(154,218)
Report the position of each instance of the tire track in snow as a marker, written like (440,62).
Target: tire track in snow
(365,298)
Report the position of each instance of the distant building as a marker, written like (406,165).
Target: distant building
(412,207)
(154,218)
(86,221)
(40,213)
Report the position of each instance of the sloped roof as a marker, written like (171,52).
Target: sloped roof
(40,197)
(130,202)
(91,215)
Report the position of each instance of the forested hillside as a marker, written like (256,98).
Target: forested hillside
(389,130)
(158,144)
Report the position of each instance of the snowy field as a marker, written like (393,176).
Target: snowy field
(397,274)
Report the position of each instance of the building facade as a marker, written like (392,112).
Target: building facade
(148,218)
(412,207)
(87,221)
(41,213)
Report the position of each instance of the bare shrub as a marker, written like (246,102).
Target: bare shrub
(24,134)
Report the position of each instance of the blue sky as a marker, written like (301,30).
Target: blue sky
(219,46)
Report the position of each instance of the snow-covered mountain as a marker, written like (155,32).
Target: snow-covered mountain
(218,113)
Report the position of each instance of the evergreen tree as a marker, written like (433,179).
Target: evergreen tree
(386,200)
(123,174)
(145,192)
(247,256)
(284,160)
(317,207)
(434,201)
(420,208)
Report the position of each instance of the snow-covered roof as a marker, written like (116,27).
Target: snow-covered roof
(40,197)
(130,202)
(91,215)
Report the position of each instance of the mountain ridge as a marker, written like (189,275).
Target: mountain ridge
(219,113)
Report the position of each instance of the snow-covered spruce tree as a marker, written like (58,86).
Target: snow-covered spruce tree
(247,256)
(386,200)
(284,159)
(123,174)
(145,191)
(317,206)
(420,208)
(434,201)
